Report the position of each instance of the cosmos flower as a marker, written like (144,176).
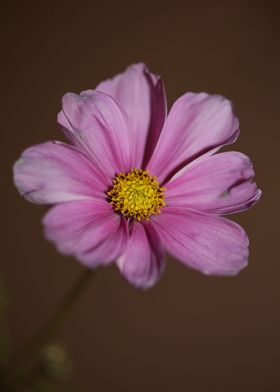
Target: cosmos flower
(134,183)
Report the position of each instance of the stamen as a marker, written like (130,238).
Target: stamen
(137,194)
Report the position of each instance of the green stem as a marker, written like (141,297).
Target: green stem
(42,338)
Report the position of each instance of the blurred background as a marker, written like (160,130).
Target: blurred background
(190,332)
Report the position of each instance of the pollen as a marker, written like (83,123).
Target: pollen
(136,194)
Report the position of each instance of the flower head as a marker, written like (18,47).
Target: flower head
(136,194)
(134,182)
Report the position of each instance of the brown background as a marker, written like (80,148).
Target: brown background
(190,332)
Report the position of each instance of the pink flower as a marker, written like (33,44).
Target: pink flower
(134,182)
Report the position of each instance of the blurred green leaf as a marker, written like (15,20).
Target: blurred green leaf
(4,331)
(54,362)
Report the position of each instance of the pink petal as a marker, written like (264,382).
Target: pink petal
(142,263)
(53,172)
(210,244)
(109,249)
(220,184)
(88,230)
(96,124)
(196,124)
(142,96)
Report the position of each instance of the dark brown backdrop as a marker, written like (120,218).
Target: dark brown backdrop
(190,332)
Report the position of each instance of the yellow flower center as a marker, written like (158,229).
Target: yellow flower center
(136,194)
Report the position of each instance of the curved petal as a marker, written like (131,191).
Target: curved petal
(209,244)
(143,260)
(88,230)
(141,94)
(53,172)
(196,124)
(219,184)
(96,124)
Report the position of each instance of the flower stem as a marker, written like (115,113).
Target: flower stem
(43,337)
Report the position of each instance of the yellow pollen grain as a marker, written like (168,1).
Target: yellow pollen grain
(136,194)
